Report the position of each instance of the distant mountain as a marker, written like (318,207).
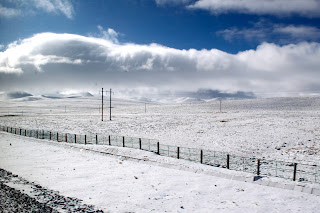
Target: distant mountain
(80,94)
(17,94)
(59,95)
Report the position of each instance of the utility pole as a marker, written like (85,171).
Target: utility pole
(102,102)
(110,103)
(101,106)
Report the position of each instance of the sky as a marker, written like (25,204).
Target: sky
(265,47)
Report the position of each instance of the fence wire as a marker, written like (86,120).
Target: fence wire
(287,170)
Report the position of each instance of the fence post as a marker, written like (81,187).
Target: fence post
(25,132)
(201,156)
(85,139)
(50,135)
(37,133)
(123,142)
(228,161)
(158,148)
(294,171)
(75,138)
(20,131)
(57,136)
(15,130)
(258,167)
(178,152)
(140,144)
(66,137)
(96,139)
(109,140)
(42,134)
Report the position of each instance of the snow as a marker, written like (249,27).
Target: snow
(118,184)
(276,128)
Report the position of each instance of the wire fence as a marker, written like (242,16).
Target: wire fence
(262,167)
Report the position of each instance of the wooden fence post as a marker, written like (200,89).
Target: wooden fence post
(25,132)
(75,138)
(123,142)
(140,144)
(158,148)
(96,139)
(228,161)
(109,140)
(15,130)
(57,136)
(66,137)
(201,156)
(37,133)
(50,135)
(258,167)
(20,131)
(178,152)
(85,139)
(294,172)
(42,134)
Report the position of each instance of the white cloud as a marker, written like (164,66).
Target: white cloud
(56,6)
(264,31)
(22,7)
(50,60)
(9,12)
(301,32)
(308,8)
(110,34)
(249,34)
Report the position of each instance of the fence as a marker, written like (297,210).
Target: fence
(262,167)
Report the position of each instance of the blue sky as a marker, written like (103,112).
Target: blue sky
(224,45)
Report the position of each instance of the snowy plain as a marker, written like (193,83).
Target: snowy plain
(276,128)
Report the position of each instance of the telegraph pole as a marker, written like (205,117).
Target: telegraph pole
(102,103)
(110,102)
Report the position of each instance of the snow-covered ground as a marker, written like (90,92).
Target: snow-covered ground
(122,184)
(275,128)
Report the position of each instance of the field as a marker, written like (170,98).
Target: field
(276,129)
(279,128)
